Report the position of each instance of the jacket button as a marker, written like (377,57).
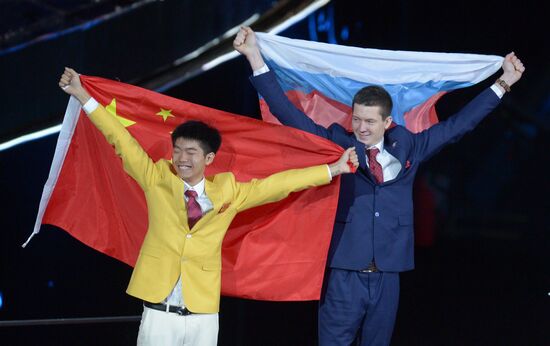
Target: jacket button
(377,214)
(189,236)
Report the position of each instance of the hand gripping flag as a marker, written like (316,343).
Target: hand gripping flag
(273,252)
(321,79)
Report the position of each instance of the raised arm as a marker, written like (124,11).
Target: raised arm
(279,185)
(245,43)
(135,160)
(266,84)
(432,140)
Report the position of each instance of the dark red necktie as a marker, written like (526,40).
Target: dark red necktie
(194,212)
(375,167)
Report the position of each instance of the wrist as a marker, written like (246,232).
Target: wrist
(508,78)
(335,169)
(82,96)
(502,85)
(255,59)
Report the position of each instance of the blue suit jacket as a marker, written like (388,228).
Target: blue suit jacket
(375,221)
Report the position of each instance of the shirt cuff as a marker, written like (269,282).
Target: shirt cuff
(90,106)
(497,91)
(261,70)
(329,174)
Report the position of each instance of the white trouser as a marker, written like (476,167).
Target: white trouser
(168,328)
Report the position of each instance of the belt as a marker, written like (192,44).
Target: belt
(168,308)
(370,269)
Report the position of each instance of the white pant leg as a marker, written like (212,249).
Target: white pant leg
(157,328)
(202,330)
(165,328)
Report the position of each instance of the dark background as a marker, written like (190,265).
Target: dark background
(483,279)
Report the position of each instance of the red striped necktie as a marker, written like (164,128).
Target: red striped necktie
(194,212)
(374,166)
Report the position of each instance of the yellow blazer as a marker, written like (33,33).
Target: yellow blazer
(170,248)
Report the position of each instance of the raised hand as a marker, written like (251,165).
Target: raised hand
(512,69)
(246,44)
(245,41)
(70,83)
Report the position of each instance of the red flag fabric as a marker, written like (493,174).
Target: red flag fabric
(273,252)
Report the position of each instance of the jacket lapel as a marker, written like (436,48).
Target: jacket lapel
(393,146)
(361,154)
(178,190)
(214,195)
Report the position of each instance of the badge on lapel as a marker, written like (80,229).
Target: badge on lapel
(224,208)
(407,164)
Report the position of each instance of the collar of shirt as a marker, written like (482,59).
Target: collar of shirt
(199,188)
(379,145)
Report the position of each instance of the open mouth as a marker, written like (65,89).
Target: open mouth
(184,167)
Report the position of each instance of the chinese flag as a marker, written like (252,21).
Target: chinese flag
(273,252)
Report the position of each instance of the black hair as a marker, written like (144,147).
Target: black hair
(374,95)
(209,138)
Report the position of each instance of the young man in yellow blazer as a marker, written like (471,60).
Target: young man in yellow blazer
(178,271)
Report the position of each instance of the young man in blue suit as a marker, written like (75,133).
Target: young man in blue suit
(373,232)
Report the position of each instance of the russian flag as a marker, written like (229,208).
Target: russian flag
(321,79)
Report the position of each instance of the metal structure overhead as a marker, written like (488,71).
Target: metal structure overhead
(151,43)
(280,16)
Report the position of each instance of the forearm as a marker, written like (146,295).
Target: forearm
(430,141)
(255,60)
(108,125)
(451,130)
(335,169)
(281,107)
(279,185)
(135,160)
(82,95)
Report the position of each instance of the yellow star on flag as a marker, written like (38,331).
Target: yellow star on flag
(165,113)
(111,108)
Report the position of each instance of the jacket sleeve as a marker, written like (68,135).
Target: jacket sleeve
(135,160)
(280,106)
(278,186)
(430,141)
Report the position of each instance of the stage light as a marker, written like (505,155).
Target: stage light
(344,33)
(30,137)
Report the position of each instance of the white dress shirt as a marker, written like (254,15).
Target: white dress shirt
(390,165)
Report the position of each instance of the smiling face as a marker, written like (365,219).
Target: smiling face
(368,124)
(189,160)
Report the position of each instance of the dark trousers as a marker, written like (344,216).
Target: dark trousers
(358,305)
